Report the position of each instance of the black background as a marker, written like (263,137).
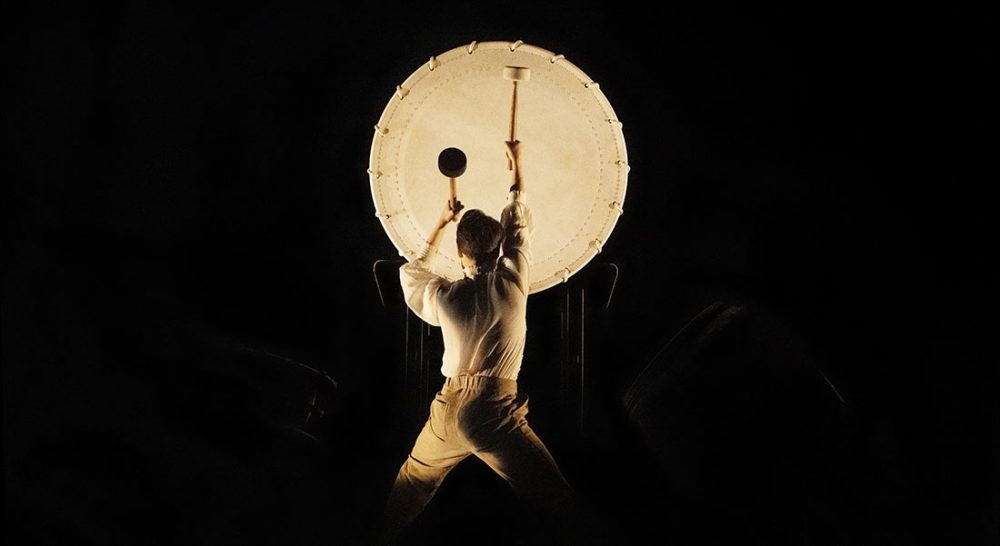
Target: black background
(191,180)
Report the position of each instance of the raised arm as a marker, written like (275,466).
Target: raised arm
(420,284)
(449,214)
(517,223)
(514,155)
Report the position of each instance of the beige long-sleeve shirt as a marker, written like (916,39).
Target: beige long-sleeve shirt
(482,317)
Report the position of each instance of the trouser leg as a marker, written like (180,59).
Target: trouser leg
(432,457)
(518,455)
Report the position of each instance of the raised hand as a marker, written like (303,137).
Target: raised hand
(514,151)
(451,212)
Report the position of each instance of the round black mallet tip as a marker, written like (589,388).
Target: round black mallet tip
(451,162)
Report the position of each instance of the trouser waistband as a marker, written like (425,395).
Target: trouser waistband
(480,382)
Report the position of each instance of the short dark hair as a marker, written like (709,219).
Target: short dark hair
(479,237)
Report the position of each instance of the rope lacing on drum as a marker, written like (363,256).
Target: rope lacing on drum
(472,47)
(515,45)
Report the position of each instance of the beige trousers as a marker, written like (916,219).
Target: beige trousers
(485,417)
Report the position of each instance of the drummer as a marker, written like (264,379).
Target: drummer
(479,410)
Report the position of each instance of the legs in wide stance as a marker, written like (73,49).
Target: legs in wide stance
(486,419)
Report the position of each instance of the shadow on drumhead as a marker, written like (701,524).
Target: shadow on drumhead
(748,434)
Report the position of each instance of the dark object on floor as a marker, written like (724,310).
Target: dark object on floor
(289,395)
(750,435)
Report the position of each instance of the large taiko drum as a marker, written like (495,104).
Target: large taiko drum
(574,161)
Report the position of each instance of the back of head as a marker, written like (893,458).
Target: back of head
(479,237)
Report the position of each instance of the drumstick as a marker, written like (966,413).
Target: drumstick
(451,163)
(513,113)
(514,74)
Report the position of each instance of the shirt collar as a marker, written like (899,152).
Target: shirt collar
(473,271)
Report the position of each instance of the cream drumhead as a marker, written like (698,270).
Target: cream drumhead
(574,162)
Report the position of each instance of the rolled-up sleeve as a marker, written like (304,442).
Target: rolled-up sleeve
(422,287)
(518,228)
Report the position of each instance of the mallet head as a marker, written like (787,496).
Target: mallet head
(451,162)
(516,73)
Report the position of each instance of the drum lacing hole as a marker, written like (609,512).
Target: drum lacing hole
(615,122)
(431,64)
(565,275)
(597,245)
(557,58)
(621,163)
(616,206)
(381,131)
(595,85)
(516,45)
(472,47)
(376,174)
(382,215)
(401,93)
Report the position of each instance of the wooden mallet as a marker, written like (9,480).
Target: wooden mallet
(451,163)
(514,74)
